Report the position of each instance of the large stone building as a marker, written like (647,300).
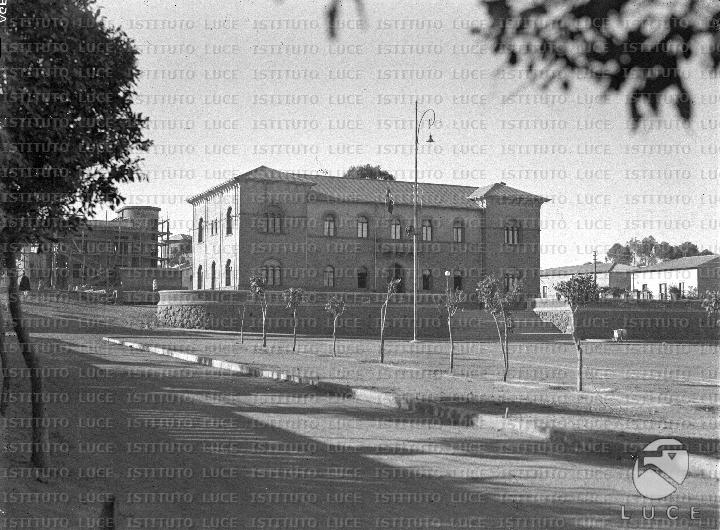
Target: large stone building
(327,233)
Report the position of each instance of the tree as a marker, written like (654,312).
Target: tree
(62,156)
(451,305)
(497,301)
(619,254)
(368,172)
(578,291)
(336,307)
(624,46)
(687,250)
(711,304)
(259,293)
(293,298)
(665,251)
(392,288)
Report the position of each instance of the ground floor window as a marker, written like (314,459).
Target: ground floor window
(427,280)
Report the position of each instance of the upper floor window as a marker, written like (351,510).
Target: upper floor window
(512,233)
(228,222)
(510,281)
(362,227)
(458,231)
(395,229)
(273,221)
(271,273)
(329,276)
(329,227)
(427,230)
(201,228)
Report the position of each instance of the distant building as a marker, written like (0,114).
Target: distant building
(328,233)
(179,250)
(700,273)
(95,254)
(608,275)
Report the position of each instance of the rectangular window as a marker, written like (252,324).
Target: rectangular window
(544,294)
(330,226)
(426,277)
(681,286)
(663,291)
(395,231)
(427,231)
(457,282)
(512,235)
(362,279)
(329,278)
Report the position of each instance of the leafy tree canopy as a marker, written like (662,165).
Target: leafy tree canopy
(649,251)
(368,172)
(71,136)
(639,48)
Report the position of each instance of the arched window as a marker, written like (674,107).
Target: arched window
(510,281)
(458,231)
(273,221)
(362,227)
(329,228)
(329,277)
(512,232)
(212,275)
(201,227)
(395,229)
(427,230)
(362,278)
(271,273)
(199,277)
(228,273)
(228,222)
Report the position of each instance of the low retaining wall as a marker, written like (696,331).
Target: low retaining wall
(678,321)
(221,310)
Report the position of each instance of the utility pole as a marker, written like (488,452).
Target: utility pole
(595,265)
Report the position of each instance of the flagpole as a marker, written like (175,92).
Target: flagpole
(415,224)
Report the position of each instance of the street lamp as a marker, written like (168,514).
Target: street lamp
(447,283)
(418,123)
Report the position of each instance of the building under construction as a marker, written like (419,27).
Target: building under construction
(127,252)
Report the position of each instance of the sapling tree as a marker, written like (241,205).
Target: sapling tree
(498,301)
(578,291)
(392,288)
(241,314)
(451,305)
(293,298)
(336,307)
(61,158)
(259,294)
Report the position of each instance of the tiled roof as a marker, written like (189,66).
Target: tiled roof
(585,268)
(325,187)
(680,263)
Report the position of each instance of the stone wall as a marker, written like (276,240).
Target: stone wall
(221,310)
(651,320)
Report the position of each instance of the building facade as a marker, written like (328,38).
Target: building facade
(610,275)
(326,233)
(693,275)
(94,254)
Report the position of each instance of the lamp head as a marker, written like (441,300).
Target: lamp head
(447,274)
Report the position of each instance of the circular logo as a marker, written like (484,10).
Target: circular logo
(660,468)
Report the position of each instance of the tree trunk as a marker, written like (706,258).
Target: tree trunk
(506,353)
(294,330)
(502,343)
(242,327)
(578,346)
(5,390)
(452,347)
(334,339)
(264,313)
(40,439)
(382,334)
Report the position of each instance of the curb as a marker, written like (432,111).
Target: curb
(698,465)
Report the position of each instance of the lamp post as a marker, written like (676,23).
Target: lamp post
(418,123)
(447,283)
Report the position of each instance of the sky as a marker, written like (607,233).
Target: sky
(229,86)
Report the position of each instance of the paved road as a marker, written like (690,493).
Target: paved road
(182,446)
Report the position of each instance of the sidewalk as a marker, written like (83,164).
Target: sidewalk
(601,421)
